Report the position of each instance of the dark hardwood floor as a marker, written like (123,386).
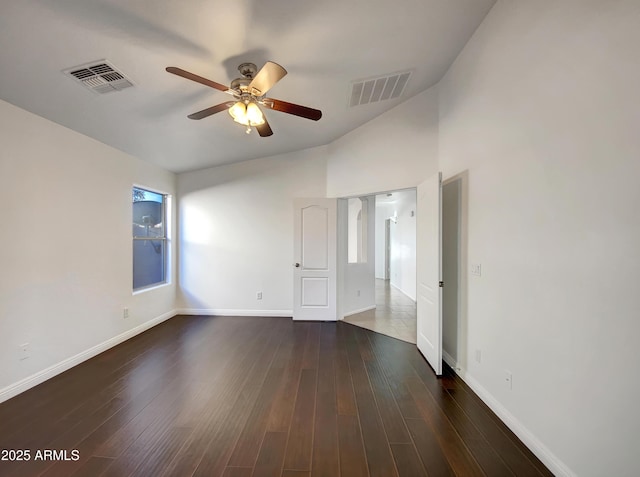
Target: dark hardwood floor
(236,397)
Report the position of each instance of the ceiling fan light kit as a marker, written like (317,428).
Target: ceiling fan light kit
(249,91)
(247,114)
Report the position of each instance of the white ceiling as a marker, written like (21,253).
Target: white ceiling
(324,45)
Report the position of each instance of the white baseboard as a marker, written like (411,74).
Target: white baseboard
(402,291)
(48,373)
(221,312)
(361,310)
(447,358)
(553,463)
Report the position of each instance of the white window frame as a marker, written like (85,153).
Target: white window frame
(165,238)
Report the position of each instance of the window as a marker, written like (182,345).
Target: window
(149,238)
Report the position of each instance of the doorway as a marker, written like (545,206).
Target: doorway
(454,266)
(393,268)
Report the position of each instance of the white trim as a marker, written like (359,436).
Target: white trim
(48,373)
(361,310)
(149,288)
(536,446)
(150,189)
(223,312)
(447,358)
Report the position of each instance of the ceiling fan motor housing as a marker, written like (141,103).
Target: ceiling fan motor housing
(241,84)
(248,70)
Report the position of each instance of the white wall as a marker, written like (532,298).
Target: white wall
(359,292)
(236,232)
(383,212)
(403,243)
(396,150)
(354,227)
(66,248)
(541,108)
(223,209)
(236,221)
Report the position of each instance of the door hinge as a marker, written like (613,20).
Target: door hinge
(441,284)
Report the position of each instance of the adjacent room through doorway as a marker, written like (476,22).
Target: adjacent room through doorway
(394,313)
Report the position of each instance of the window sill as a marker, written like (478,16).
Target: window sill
(140,291)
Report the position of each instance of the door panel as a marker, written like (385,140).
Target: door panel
(314,275)
(429,264)
(315,229)
(315,291)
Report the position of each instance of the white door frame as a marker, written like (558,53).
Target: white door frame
(460,359)
(342,242)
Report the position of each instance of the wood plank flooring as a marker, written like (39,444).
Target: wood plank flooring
(241,396)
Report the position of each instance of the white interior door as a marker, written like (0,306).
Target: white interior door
(314,275)
(429,271)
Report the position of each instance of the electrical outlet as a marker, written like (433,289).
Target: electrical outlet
(125,312)
(476,269)
(508,379)
(25,351)
(259,296)
(478,356)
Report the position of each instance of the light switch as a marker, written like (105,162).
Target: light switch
(476,269)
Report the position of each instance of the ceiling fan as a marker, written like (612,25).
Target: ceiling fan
(248,92)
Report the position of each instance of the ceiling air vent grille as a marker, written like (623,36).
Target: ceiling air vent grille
(377,89)
(100,77)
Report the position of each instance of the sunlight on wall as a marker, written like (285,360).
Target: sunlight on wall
(195,224)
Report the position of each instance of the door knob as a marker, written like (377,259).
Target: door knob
(297,265)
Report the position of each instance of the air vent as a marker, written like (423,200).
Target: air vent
(378,89)
(99,76)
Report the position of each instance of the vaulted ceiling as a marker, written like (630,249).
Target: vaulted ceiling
(325,45)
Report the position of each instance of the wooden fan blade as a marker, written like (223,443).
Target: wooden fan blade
(197,79)
(212,110)
(264,80)
(295,109)
(264,129)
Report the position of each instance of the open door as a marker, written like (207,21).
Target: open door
(314,274)
(429,271)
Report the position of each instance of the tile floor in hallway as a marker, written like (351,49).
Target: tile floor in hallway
(394,315)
